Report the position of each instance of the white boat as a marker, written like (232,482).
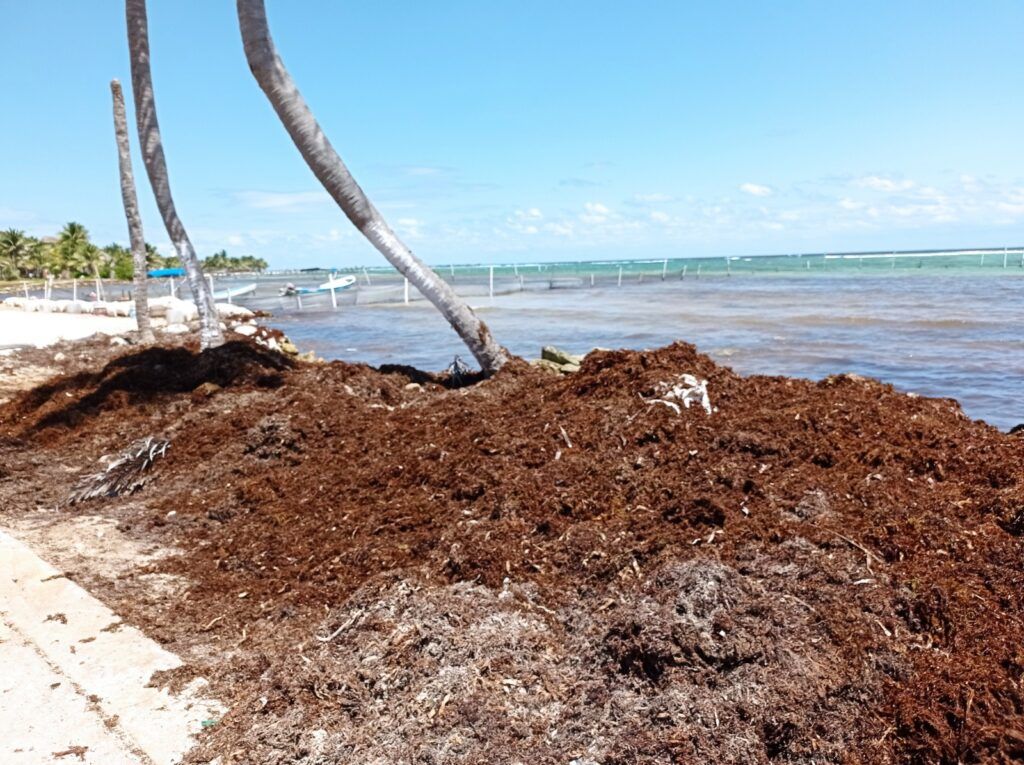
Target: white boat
(336,284)
(233,292)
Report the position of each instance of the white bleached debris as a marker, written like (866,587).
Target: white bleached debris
(230,311)
(248,330)
(686,389)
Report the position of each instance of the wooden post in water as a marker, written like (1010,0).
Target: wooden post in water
(683,274)
(367,275)
(334,296)
(74,288)
(620,276)
(298,301)
(490,282)
(406,298)
(1004,257)
(171,279)
(591,279)
(26,290)
(664,269)
(698,270)
(99,288)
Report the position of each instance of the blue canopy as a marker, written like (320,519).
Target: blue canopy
(160,273)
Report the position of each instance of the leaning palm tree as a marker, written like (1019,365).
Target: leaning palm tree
(329,169)
(210,334)
(131,213)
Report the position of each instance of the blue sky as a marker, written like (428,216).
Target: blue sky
(500,131)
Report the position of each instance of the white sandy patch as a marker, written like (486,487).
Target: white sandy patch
(19,327)
(89,671)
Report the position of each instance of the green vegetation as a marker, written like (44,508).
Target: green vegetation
(221,262)
(71,254)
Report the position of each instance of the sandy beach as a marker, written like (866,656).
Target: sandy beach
(19,328)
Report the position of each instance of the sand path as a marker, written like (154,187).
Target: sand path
(76,681)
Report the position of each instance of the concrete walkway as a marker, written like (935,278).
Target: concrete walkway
(74,681)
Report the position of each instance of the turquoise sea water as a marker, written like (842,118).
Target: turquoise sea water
(939,331)
(939,324)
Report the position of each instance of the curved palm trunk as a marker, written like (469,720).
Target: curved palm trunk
(156,168)
(131,213)
(329,169)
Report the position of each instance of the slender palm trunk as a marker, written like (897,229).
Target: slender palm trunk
(156,167)
(329,169)
(131,213)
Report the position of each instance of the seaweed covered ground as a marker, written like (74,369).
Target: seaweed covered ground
(378,567)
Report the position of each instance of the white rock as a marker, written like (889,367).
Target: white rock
(175,328)
(58,356)
(248,330)
(176,316)
(229,311)
(118,341)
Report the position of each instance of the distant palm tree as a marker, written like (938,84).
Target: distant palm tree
(130,201)
(73,252)
(329,169)
(42,258)
(15,250)
(210,334)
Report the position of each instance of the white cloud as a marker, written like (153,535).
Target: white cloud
(410,228)
(525,221)
(594,212)
(881,183)
(660,217)
(282,200)
(756,189)
(653,198)
(564,229)
(423,171)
